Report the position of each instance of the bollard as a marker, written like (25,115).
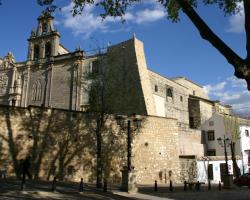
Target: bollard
(198,186)
(156,187)
(22,185)
(105,186)
(53,188)
(23,182)
(219,185)
(81,185)
(185,186)
(209,185)
(171,186)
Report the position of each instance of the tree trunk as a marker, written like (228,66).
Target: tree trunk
(61,168)
(235,166)
(241,66)
(98,155)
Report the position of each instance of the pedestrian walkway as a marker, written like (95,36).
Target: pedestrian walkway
(163,193)
(42,190)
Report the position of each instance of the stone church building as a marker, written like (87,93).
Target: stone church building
(53,77)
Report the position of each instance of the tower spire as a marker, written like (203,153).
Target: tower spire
(134,35)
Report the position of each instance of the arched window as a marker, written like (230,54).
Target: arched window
(169,93)
(47,50)
(36,52)
(36,91)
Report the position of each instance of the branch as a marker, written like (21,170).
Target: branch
(207,34)
(247,29)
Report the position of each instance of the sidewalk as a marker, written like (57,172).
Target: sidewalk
(163,193)
(41,190)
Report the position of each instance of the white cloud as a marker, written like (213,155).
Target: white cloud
(149,15)
(212,89)
(90,22)
(237,83)
(232,91)
(236,22)
(84,24)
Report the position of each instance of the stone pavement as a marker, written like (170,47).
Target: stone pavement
(163,193)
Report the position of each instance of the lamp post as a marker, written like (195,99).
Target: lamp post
(224,142)
(130,124)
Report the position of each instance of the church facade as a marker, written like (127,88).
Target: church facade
(53,77)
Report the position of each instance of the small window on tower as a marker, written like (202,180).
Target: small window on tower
(47,50)
(44,28)
(156,88)
(36,52)
(169,92)
(96,68)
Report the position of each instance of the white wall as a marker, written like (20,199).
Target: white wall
(159,105)
(219,131)
(203,165)
(245,145)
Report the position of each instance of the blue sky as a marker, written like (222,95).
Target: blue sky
(172,49)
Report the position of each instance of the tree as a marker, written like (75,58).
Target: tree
(117,8)
(231,126)
(98,84)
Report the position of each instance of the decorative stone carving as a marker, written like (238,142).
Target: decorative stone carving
(33,33)
(3,84)
(8,61)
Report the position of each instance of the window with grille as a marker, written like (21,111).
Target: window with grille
(211,152)
(210,135)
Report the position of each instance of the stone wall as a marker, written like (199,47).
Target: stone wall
(190,141)
(125,66)
(194,113)
(189,171)
(156,151)
(193,88)
(175,107)
(62,143)
(5,84)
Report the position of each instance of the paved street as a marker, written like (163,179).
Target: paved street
(147,193)
(41,190)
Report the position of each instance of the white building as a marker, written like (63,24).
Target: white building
(212,168)
(245,146)
(213,129)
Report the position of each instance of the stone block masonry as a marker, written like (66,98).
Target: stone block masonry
(62,143)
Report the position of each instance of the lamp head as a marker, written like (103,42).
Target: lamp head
(220,141)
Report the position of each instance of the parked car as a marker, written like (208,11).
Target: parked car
(243,180)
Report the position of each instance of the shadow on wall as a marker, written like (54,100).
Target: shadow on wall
(61,143)
(188,170)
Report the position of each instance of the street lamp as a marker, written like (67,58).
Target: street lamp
(224,142)
(131,124)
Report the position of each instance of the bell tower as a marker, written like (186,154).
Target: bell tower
(44,42)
